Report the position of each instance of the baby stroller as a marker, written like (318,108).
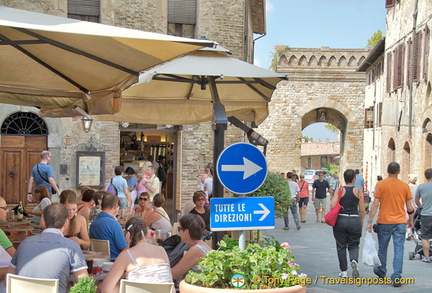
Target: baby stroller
(417,238)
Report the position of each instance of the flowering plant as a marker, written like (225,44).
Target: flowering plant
(270,265)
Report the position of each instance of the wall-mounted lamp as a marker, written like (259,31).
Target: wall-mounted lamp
(87,123)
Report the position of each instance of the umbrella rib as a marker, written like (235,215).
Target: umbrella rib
(23,42)
(177,79)
(256,90)
(47,65)
(79,52)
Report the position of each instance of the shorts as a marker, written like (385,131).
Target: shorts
(303,201)
(320,202)
(426,227)
(123,203)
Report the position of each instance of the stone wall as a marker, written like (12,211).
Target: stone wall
(323,86)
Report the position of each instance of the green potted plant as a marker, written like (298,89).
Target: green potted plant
(84,285)
(267,267)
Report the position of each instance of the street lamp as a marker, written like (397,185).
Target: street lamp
(87,123)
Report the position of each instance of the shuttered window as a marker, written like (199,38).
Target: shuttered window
(182,11)
(182,18)
(416,59)
(426,51)
(389,62)
(369,117)
(401,65)
(390,3)
(379,118)
(408,69)
(88,10)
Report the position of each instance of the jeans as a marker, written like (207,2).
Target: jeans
(385,232)
(347,233)
(294,212)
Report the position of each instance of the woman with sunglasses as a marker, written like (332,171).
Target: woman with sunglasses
(142,208)
(142,262)
(191,230)
(199,199)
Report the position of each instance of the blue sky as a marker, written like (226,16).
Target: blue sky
(317,23)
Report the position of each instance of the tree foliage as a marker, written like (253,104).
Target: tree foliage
(375,39)
(332,128)
(331,168)
(276,186)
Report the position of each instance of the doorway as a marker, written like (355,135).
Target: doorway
(23,138)
(138,145)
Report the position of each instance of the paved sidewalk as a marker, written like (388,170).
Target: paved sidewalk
(315,250)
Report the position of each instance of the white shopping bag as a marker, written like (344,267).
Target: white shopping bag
(370,253)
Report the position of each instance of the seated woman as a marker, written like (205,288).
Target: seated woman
(97,208)
(159,219)
(43,198)
(86,204)
(199,199)
(142,262)
(190,230)
(142,208)
(77,230)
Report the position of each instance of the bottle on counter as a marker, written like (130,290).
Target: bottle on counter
(20,211)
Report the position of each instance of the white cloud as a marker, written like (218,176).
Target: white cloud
(269,6)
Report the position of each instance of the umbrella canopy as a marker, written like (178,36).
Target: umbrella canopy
(59,63)
(178,92)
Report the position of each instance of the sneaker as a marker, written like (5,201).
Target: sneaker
(426,259)
(355,271)
(343,274)
(298,225)
(286,228)
(378,272)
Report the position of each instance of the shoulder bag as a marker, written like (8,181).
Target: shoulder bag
(332,216)
(53,191)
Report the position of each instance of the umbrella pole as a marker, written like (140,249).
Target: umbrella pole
(220,122)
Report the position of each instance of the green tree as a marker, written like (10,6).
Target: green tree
(307,139)
(332,128)
(375,39)
(331,168)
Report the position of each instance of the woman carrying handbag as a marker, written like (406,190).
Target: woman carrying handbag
(348,228)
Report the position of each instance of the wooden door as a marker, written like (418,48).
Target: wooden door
(18,156)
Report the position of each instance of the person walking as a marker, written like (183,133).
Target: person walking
(424,192)
(42,175)
(348,229)
(391,196)
(294,190)
(334,182)
(319,196)
(121,188)
(304,197)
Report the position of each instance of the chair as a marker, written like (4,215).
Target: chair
(100,245)
(137,287)
(15,283)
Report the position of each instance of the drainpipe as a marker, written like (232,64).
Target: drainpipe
(412,70)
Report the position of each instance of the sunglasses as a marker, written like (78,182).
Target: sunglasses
(201,199)
(143,198)
(4,208)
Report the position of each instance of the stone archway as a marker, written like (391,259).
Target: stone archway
(330,90)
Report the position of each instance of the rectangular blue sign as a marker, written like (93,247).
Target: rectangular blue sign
(241,213)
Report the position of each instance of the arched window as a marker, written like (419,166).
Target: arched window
(24,124)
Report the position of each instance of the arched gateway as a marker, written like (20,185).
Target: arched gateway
(323,87)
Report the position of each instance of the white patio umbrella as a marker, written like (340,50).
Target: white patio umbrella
(179,91)
(59,63)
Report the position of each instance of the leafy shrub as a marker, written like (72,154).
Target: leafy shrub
(84,285)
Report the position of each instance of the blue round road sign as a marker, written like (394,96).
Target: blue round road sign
(242,168)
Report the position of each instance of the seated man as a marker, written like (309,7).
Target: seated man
(50,255)
(4,240)
(106,227)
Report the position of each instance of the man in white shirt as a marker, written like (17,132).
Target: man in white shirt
(153,184)
(294,190)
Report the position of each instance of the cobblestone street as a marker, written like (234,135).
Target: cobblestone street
(315,250)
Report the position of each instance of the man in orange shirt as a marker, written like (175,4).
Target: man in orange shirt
(391,197)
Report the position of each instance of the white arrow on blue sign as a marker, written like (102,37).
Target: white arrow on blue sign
(241,213)
(241,168)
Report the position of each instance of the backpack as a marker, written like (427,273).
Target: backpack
(111,188)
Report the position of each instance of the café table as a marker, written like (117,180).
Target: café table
(16,230)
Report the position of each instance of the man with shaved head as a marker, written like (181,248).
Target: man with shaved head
(42,175)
